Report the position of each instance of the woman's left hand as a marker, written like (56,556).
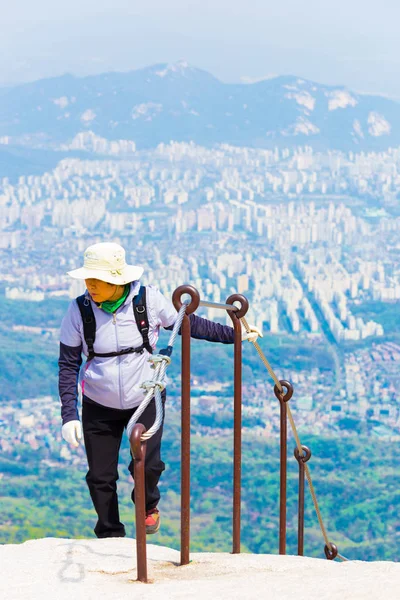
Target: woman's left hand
(252,335)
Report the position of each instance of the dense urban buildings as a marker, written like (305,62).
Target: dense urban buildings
(311,238)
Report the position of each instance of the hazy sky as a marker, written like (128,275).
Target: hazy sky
(350,42)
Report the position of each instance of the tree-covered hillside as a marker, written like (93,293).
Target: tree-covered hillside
(357,485)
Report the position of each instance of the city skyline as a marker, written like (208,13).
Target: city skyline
(286,200)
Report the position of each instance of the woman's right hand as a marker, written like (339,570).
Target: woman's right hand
(72,432)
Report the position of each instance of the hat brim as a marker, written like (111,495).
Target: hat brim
(128,274)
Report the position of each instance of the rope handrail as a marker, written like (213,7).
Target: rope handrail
(331,547)
(155,386)
(218,305)
(160,362)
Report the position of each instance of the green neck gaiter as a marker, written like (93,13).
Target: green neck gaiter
(112,306)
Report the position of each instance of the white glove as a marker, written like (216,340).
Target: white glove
(252,335)
(72,432)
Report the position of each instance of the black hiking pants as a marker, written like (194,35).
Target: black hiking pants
(102,430)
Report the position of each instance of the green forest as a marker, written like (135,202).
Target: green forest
(357,484)
(356,478)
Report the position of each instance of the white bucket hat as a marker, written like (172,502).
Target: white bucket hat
(106,261)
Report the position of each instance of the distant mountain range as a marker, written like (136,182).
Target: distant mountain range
(179,102)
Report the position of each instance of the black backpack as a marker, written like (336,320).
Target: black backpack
(89,325)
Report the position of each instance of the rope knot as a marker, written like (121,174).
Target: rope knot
(151,385)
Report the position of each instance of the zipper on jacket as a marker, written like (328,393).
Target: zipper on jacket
(118,358)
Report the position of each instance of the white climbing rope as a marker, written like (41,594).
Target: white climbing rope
(155,386)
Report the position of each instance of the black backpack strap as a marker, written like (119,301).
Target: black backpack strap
(142,320)
(89,323)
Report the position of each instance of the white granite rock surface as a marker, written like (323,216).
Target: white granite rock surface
(93,569)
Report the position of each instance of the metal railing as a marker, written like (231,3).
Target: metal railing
(235,314)
(301,453)
(138,449)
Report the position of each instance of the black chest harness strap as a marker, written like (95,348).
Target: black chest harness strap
(89,325)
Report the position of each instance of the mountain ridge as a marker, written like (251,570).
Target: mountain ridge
(179,102)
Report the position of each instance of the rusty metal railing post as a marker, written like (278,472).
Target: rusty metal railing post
(138,449)
(300,532)
(283,398)
(237,419)
(185,415)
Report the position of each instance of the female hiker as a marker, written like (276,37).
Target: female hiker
(115,324)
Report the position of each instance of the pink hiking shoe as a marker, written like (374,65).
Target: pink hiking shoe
(152,520)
